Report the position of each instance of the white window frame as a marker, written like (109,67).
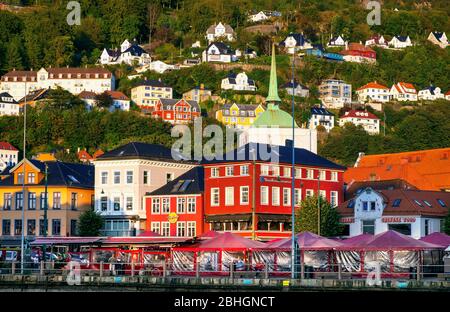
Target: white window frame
(229,171)
(298,196)
(215,191)
(154,226)
(114,177)
(156,205)
(191,228)
(181,205)
(264,199)
(287,172)
(275,195)
(229,196)
(264,170)
(179,223)
(336,195)
(214,172)
(191,204)
(309,193)
(286,196)
(241,191)
(244,170)
(165,205)
(165,226)
(334,176)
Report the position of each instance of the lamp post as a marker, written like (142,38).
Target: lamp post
(22,240)
(293,245)
(44,247)
(318,203)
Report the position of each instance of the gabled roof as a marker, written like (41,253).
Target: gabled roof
(171,102)
(431,89)
(402,87)
(191,182)
(7,146)
(29,75)
(401,38)
(300,39)
(212,29)
(7,95)
(35,95)
(290,84)
(59,174)
(84,155)
(359,114)
(117,95)
(320,111)
(437,34)
(373,85)
(283,153)
(139,150)
(87,95)
(222,47)
(152,83)
(135,50)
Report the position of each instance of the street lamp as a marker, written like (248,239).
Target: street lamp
(22,241)
(293,245)
(318,203)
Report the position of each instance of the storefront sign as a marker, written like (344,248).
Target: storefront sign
(173,217)
(398,220)
(347,220)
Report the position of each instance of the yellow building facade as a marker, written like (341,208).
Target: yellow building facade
(239,115)
(70,192)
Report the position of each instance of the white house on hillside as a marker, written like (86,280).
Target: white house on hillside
(160,67)
(337,42)
(438,38)
(220,30)
(367,120)
(373,92)
(335,93)
(431,93)
(295,42)
(377,41)
(403,91)
(400,42)
(296,89)
(262,16)
(8,106)
(321,117)
(239,82)
(129,53)
(219,52)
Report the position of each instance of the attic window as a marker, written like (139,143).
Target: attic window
(185,185)
(427,203)
(441,202)
(418,202)
(73,179)
(396,202)
(351,204)
(176,186)
(121,153)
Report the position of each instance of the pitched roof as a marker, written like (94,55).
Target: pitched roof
(171,102)
(9,96)
(401,38)
(85,73)
(437,34)
(358,114)
(135,50)
(283,153)
(426,169)
(117,95)
(191,182)
(320,111)
(300,39)
(87,95)
(7,146)
(61,174)
(373,85)
(84,155)
(295,84)
(30,75)
(35,95)
(359,47)
(152,83)
(411,202)
(212,29)
(222,47)
(139,150)
(404,87)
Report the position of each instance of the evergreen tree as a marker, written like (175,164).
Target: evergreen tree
(90,223)
(14,59)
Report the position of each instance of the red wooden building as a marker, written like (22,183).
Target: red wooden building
(176,111)
(234,189)
(176,209)
(357,52)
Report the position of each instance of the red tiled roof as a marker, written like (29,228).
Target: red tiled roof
(7,146)
(74,71)
(373,85)
(359,114)
(84,155)
(87,95)
(117,95)
(98,153)
(404,86)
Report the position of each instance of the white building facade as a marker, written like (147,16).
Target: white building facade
(373,92)
(218,31)
(431,93)
(335,93)
(403,91)
(9,155)
(8,106)
(238,82)
(367,120)
(321,117)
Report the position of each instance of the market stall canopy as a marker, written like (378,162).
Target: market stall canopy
(357,240)
(66,240)
(307,241)
(436,238)
(227,241)
(209,234)
(149,234)
(392,240)
(145,240)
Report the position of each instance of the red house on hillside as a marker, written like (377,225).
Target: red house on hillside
(176,111)
(176,209)
(359,53)
(234,189)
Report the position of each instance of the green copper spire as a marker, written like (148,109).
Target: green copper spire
(273,86)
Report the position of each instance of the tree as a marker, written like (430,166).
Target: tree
(90,223)
(103,100)
(447,224)
(307,217)
(14,54)
(153,10)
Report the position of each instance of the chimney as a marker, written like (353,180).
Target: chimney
(202,86)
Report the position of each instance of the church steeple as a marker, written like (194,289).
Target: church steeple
(273,97)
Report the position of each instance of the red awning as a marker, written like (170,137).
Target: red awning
(436,238)
(145,240)
(149,234)
(357,240)
(209,234)
(307,241)
(227,241)
(66,240)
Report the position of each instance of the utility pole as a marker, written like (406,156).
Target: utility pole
(293,244)
(22,241)
(318,203)
(254,193)
(44,247)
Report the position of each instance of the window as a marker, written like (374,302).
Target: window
(7,201)
(129,203)
(19,201)
(56,227)
(31,178)
(181,229)
(20,178)
(104,175)
(191,228)
(333,198)
(191,205)
(166,205)
(181,205)
(31,201)
(155,205)
(73,228)
(365,206)
(442,203)
(116,177)
(418,202)
(146,177)
(17,227)
(229,196)
(214,172)
(298,197)
(368,226)
(298,173)
(309,193)
(165,228)
(287,172)
(275,196)
(427,203)
(6,227)
(244,196)
(334,176)
(156,227)
(104,203)
(215,197)
(323,194)
(129,177)
(116,203)
(310,174)
(74,201)
(322,175)
(427,226)
(286,196)
(229,171)
(43,201)
(351,204)
(31,227)
(264,195)
(43,227)
(396,202)
(276,171)
(169,177)
(56,200)
(244,170)
(264,170)
(401,228)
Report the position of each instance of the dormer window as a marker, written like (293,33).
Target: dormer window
(31,178)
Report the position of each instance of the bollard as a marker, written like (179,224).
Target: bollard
(339,271)
(101,268)
(13,268)
(231,271)
(418,272)
(41,269)
(266,271)
(132,268)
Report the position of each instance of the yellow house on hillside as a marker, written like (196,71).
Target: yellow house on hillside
(70,192)
(239,115)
